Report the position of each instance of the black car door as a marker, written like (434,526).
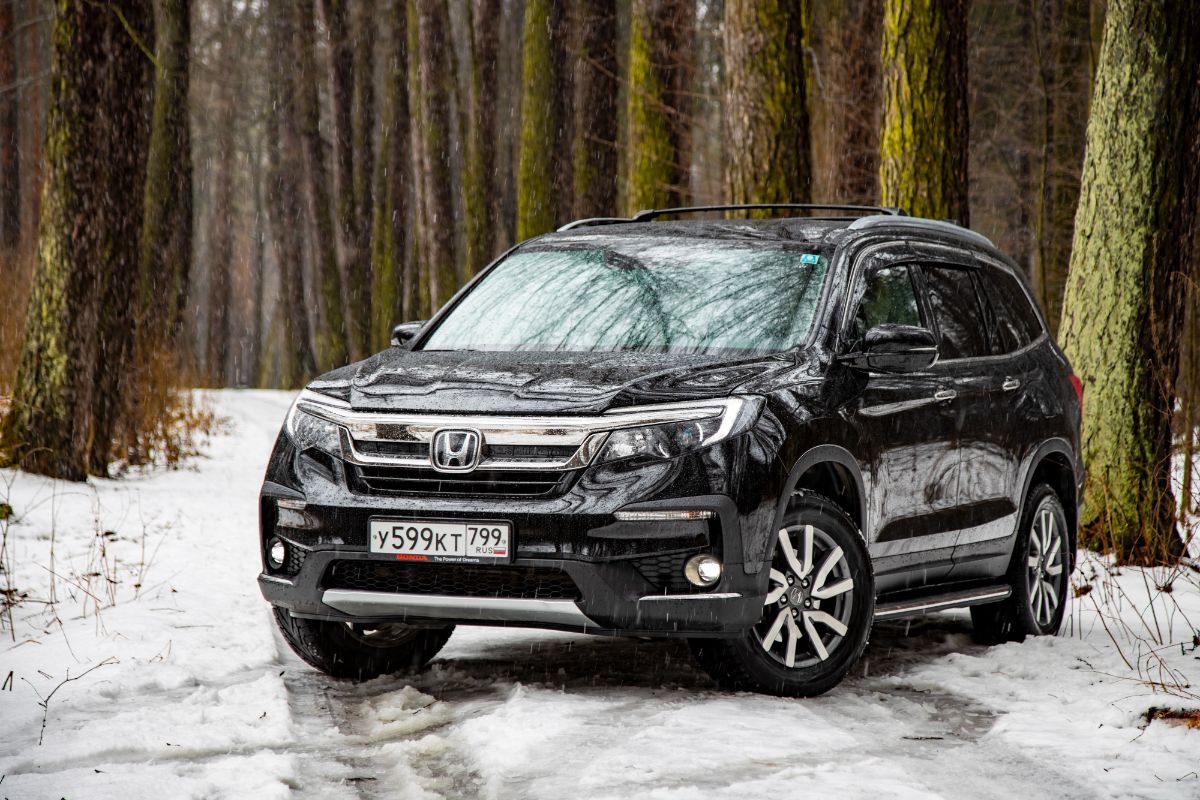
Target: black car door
(1015,411)
(984,507)
(906,426)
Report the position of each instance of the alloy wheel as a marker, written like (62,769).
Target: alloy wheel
(1044,565)
(810,599)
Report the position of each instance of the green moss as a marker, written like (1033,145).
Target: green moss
(653,161)
(541,118)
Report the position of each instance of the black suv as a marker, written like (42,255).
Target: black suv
(758,434)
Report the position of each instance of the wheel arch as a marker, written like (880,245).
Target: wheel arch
(833,472)
(1053,463)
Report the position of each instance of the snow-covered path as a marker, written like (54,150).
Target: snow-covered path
(198,697)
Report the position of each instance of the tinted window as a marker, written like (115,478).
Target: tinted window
(888,297)
(1017,323)
(956,309)
(648,294)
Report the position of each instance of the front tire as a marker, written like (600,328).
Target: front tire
(817,614)
(1038,574)
(358,652)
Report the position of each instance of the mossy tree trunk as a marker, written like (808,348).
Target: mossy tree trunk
(436,85)
(660,73)
(331,327)
(1063,36)
(285,166)
(924,132)
(544,169)
(393,174)
(415,284)
(166,246)
(768,157)
(78,339)
(1134,240)
(595,127)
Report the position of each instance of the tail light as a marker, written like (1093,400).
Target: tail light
(1078,386)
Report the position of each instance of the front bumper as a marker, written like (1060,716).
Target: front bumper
(627,574)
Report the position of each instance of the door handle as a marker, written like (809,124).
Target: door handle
(942,395)
(1010,384)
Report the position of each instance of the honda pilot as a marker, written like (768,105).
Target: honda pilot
(759,435)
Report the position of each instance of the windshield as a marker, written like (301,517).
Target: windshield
(651,294)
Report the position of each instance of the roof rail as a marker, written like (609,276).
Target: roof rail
(942,226)
(584,223)
(654,213)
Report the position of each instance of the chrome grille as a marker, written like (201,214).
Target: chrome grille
(386,480)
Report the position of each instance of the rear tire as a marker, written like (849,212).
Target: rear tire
(817,614)
(1039,575)
(357,652)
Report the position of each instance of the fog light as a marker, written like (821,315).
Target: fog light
(276,553)
(702,570)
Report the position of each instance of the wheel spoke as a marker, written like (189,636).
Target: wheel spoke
(1051,599)
(774,594)
(828,620)
(831,561)
(772,634)
(1032,562)
(793,636)
(1054,569)
(1055,549)
(1034,594)
(841,587)
(817,644)
(789,552)
(808,551)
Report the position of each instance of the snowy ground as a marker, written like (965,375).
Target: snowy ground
(149,583)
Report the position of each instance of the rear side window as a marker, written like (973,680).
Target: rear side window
(1017,323)
(888,297)
(956,309)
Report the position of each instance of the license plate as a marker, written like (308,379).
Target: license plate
(439,540)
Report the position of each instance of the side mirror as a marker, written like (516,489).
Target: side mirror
(895,348)
(405,332)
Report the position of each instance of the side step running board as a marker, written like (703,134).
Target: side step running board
(938,602)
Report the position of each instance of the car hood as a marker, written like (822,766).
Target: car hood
(547,383)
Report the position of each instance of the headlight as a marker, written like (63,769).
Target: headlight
(713,422)
(307,429)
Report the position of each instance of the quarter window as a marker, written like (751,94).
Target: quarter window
(1017,324)
(956,309)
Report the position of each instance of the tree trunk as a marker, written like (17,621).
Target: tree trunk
(1134,239)
(854,105)
(78,340)
(361,297)
(285,164)
(218,352)
(166,247)
(331,329)
(544,171)
(1064,38)
(923,141)
(10,173)
(393,174)
(486,22)
(414,286)
(595,79)
(768,157)
(660,71)
(436,82)
(33,133)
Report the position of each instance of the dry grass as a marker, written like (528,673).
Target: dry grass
(1187,717)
